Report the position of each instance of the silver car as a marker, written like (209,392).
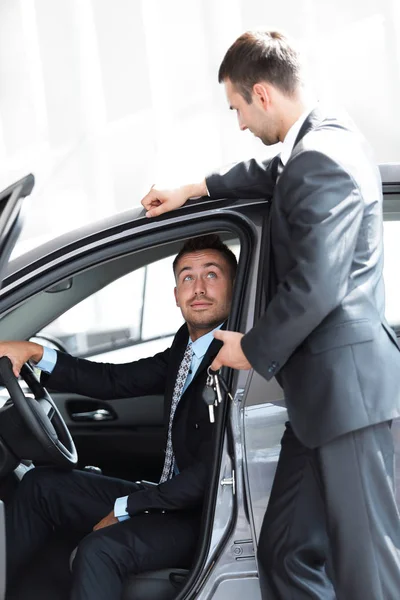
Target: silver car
(61,293)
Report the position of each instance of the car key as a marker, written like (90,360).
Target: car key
(209,397)
(219,382)
(213,381)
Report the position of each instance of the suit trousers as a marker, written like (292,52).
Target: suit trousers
(332,526)
(49,500)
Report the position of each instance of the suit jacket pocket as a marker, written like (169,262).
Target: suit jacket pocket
(342,334)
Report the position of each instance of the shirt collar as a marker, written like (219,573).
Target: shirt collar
(200,346)
(290,137)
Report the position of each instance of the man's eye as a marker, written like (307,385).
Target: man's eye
(211,275)
(187,278)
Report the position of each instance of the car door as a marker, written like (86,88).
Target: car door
(38,289)
(11,203)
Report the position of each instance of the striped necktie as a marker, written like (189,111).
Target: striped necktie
(183,371)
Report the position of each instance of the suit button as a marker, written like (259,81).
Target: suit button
(196,426)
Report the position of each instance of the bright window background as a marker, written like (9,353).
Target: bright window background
(101,99)
(130,318)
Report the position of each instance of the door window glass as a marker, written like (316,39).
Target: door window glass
(132,317)
(109,318)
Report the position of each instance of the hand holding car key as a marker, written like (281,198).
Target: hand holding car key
(212,394)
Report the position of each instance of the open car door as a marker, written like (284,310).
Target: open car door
(11,201)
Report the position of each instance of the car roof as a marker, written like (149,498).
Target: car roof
(390,173)
(108,226)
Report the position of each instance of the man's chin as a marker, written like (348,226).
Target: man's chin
(206,322)
(267,141)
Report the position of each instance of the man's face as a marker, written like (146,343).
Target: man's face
(256,117)
(203,290)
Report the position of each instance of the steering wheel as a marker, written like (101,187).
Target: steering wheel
(33,427)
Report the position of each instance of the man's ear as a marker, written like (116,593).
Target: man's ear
(262,94)
(176,296)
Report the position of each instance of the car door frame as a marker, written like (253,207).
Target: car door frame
(245,221)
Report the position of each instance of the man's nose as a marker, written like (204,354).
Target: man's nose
(199,287)
(242,126)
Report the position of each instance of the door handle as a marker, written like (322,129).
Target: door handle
(100,414)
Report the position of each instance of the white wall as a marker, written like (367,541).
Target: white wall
(100,98)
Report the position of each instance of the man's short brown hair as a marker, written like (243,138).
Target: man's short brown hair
(261,56)
(208,242)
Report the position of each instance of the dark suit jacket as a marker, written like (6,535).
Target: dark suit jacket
(324,332)
(191,431)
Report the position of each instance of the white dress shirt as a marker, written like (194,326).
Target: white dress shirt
(290,137)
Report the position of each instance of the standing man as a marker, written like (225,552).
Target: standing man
(120,537)
(323,335)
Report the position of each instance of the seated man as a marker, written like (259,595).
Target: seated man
(130,528)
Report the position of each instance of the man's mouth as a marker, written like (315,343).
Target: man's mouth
(200,305)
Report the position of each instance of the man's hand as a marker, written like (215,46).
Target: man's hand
(231,353)
(20,352)
(157,201)
(110,519)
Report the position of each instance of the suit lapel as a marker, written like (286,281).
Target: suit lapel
(270,280)
(211,353)
(268,262)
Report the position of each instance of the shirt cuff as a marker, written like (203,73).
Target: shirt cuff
(48,360)
(121,508)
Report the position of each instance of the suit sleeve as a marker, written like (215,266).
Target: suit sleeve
(324,209)
(184,491)
(107,381)
(249,179)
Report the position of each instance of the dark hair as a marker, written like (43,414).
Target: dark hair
(207,242)
(261,56)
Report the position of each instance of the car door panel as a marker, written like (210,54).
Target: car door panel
(128,443)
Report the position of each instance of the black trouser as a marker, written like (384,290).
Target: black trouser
(48,500)
(335,502)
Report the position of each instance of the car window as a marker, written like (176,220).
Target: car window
(133,317)
(391,270)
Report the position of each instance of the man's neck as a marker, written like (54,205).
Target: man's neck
(293,109)
(195,334)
